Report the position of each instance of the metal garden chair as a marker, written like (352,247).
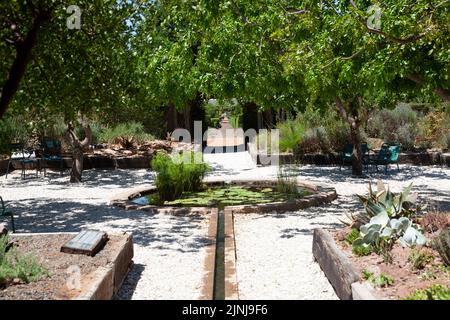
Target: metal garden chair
(24,157)
(51,151)
(346,155)
(387,155)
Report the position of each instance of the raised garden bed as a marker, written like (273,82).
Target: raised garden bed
(406,278)
(392,245)
(101,275)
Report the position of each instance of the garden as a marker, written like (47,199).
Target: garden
(234,150)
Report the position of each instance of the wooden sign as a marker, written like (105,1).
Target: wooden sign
(87,242)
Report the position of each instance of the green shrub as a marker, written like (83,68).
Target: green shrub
(315,140)
(435,292)
(419,258)
(291,134)
(381,280)
(15,265)
(96,129)
(125,134)
(12,130)
(442,245)
(287,183)
(434,130)
(314,132)
(178,175)
(395,126)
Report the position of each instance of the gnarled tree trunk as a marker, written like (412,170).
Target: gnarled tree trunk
(78,148)
(354,121)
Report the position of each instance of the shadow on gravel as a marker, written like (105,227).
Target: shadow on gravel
(129,285)
(70,216)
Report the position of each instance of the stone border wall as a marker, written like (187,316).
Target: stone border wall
(106,280)
(344,278)
(210,260)
(334,159)
(231,282)
(89,162)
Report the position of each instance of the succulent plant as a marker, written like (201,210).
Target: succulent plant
(442,245)
(383,228)
(383,200)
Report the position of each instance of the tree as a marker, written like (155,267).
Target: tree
(349,64)
(69,72)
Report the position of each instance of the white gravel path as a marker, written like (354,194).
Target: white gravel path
(274,253)
(274,256)
(167,248)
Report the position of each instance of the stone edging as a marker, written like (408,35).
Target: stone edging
(210,260)
(231,283)
(106,281)
(337,267)
(322,195)
(90,162)
(330,159)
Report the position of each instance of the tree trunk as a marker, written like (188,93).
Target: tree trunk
(357,166)
(171,118)
(77,151)
(354,121)
(77,165)
(187,118)
(23,55)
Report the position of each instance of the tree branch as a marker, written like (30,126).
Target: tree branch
(408,39)
(341,108)
(443,93)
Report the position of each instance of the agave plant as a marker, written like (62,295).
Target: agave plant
(383,200)
(383,228)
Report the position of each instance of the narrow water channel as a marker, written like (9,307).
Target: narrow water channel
(219,274)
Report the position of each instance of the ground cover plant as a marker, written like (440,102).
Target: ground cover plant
(16,267)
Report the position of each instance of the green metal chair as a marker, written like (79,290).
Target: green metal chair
(387,155)
(51,151)
(346,155)
(6,213)
(24,157)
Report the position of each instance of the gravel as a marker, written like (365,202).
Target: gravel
(274,251)
(167,248)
